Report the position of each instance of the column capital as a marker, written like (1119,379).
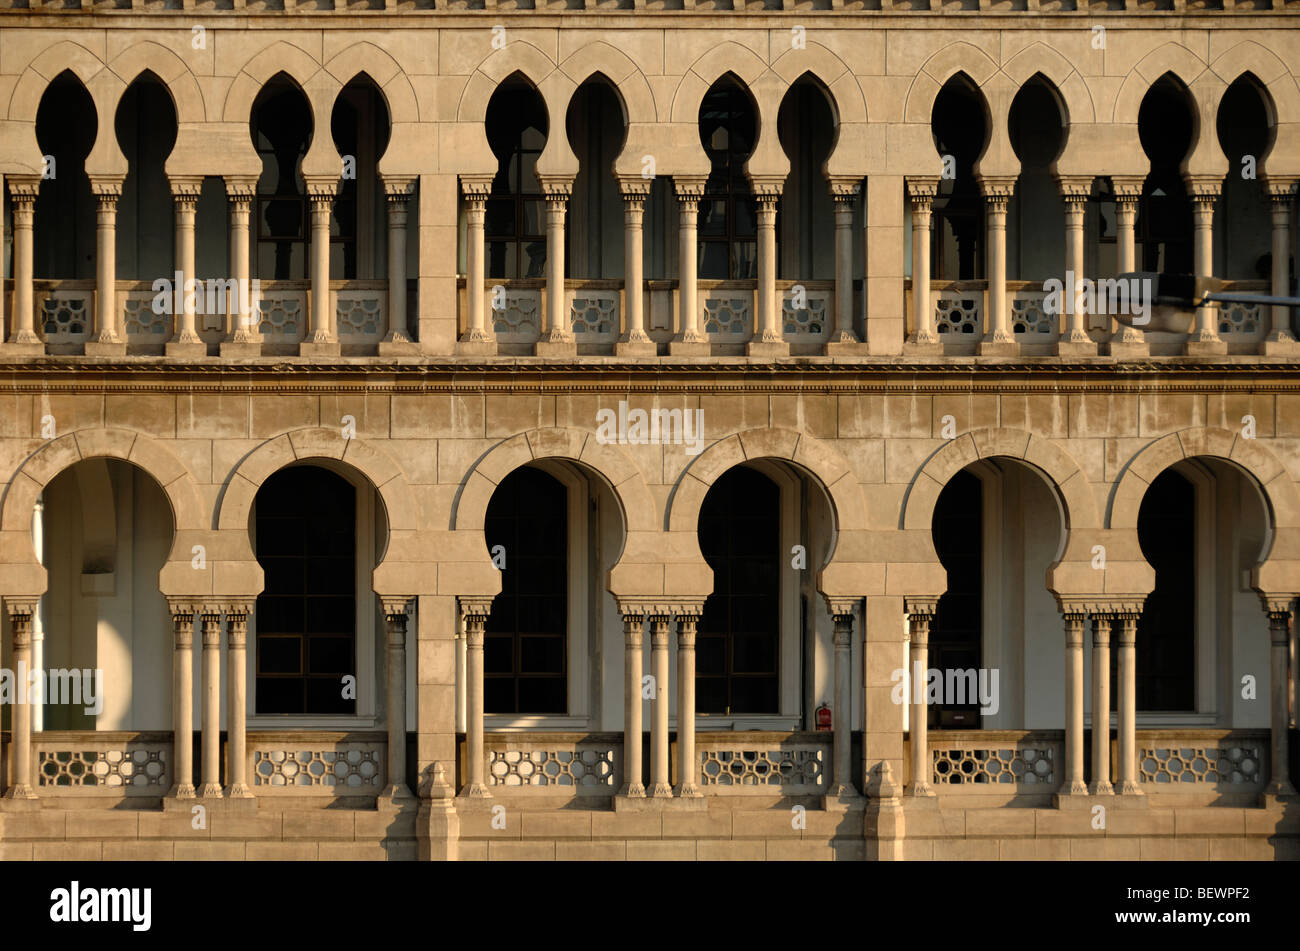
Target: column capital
(20,608)
(558,189)
(321,189)
(237,631)
(184,607)
(1203,188)
(396,605)
(688,187)
(844,189)
(634,187)
(240,188)
(1102,605)
(477,605)
(476,186)
(106,188)
(839,606)
(999,187)
(921,606)
(767,187)
(399,187)
(1281,190)
(662,607)
(921,191)
(1127,188)
(234,607)
(23,187)
(1127,634)
(1074,188)
(1278,603)
(185,187)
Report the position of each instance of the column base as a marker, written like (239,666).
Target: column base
(847,346)
(1101,789)
(916,346)
(841,798)
(240,349)
(18,348)
(238,791)
(632,791)
(398,347)
(561,347)
(210,791)
(1132,794)
(21,798)
(1279,344)
(180,791)
(1072,796)
(185,349)
(767,348)
(690,348)
(475,791)
(1128,350)
(690,802)
(921,791)
(468,346)
(636,349)
(105,348)
(1280,789)
(1206,348)
(998,348)
(319,348)
(637,804)
(660,791)
(396,796)
(1076,348)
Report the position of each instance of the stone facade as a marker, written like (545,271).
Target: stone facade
(428,409)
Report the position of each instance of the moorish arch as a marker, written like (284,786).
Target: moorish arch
(408,562)
(20,151)
(1276,571)
(816,457)
(631,90)
(22,575)
(610,464)
(946,63)
(1280,94)
(403,152)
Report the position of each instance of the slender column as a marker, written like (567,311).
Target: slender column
(399,192)
(1074,335)
(557,326)
(237,704)
(842,783)
(633,260)
(1074,784)
(106,313)
(919,711)
(767,332)
(1281,193)
(476,787)
(997,192)
(1130,340)
(1279,617)
(1205,333)
(1127,706)
(322,315)
(24,315)
(241,309)
(20,622)
(478,336)
(38,615)
(183,701)
(210,787)
(1101,706)
(395,614)
(688,770)
(921,193)
(659,634)
(186,198)
(844,198)
(690,339)
(633,645)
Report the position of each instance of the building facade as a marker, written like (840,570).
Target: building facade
(625,429)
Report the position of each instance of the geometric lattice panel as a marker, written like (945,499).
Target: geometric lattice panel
(111,768)
(961,767)
(1030,315)
(519,316)
(1238,318)
(360,316)
(761,767)
(957,315)
(353,768)
(1225,764)
(806,321)
(594,316)
(64,318)
(726,316)
(140,320)
(280,317)
(587,767)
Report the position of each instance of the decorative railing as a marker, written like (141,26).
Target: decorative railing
(996,761)
(1030,318)
(574,764)
(755,764)
(361,312)
(1203,760)
(514,310)
(68,763)
(143,323)
(329,764)
(1247,323)
(593,310)
(726,310)
(65,313)
(807,311)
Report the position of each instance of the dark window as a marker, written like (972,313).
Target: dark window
(739,638)
(1166,632)
(306,614)
(728,222)
(282,130)
(957,234)
(1164,219)
(515,223)
(525,668)
(956,633)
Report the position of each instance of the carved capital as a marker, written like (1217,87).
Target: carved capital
(921,606)
(1074,188)
(1202,189)
(556,190)
(688,188)
(634,187)
(475,606)
(767,187)
(1127,188)
(476,186)
(240,188)
(211,629)
(845,190)
(185,186)
(921,192)
(1281,190)
(399,187)
(395,605)
(237,631)
(1278,603)
(24,188)
(997,187)
(107,190)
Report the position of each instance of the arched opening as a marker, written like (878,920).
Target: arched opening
(554,529)
(806,126)
(146,131)
(1036,213)
(1167,129)
(360,128)
(281,126)
(764,654)
(597,131)
(1243,216)
(318,530)
(103,528)
(1202,526)
(728,220)
(998,525)
(515,222)
(959,125)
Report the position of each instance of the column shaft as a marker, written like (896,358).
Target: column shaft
(659,785)
(557,329)
(844,332)
(842,782)
(322,316)
(210,787)
(1279,619)
(633,259)
(767,306)
(186,330)
(241,309)
(1101,706)
(474,750)
(919,712)
(183,703)
(237,707)
(1073,784)
(1281,200)
(688,770)
(397,267)
(688,210)
(24,315)
(922,301)
(475,274)
(1206,331)
(20,621)
(1127,707)
(396,689)
(633,773)
(1073,328)
(106,313)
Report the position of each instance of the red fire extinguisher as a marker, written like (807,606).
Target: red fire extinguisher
(823,718)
